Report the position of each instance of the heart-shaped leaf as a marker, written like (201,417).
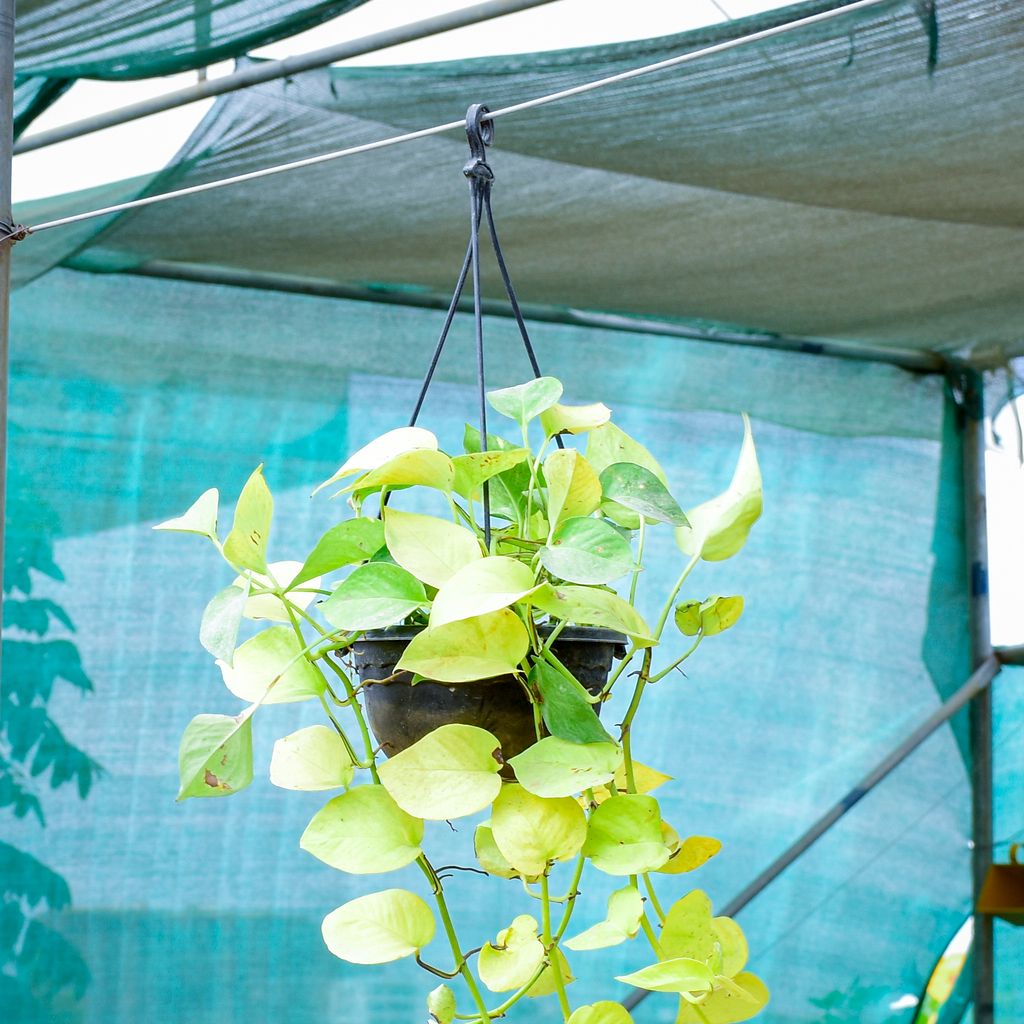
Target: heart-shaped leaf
(603,1012)
(270,669)
(514,958)
(383,449)
(218,631)
(639,489)
(688,931)
(624,836)
(574,419)
(732,944)
(554,767)
(585,550)
(246,544)
(432,549)
(200,518)
(737,999)
(311,759)
(363,832)
(379,928)
(481,587)
(720,527)
(713,615)
(491,859)
(586,606)
(573,486)
(565,706)
(451,772)
(441,1004)
(215,757)
(525,401)
(473,469)
(508,488)
(373,596)
(422,467)
(686,855)
(531,831)
(607,445)
(354,540)
(645,778)
(622,922)
(470,649)
(680,975)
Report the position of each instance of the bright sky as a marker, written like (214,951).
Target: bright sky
(149,144)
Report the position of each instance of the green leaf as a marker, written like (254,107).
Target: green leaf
(554,767)
(423,468)
(525,401)
(373,596)
(603,1012)
(622,922)
(480,587)
(688,931)
(246,544)
(379,928)
(720,527)
(530,832)
(473,469)
(732,945)
(383,449)
(545,985)
(646,779)
(565,706)
(441,1004)
(451,772)
(311,759)
(688,855)
(269,669)
(267,606)
(201,517)
(573,486)
(738,999)
(508,488)
(624,836)
(218,631)
(215,757)
(585,550)
(491,859)
(688,617)
(713,615)
(586,606)
(574,419)
(354,540)
(514,958)
(432,549)
(679,975)
(641,491)
(608,445)
(470,649)
(363,832)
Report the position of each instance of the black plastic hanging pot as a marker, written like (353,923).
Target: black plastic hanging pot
(401,713)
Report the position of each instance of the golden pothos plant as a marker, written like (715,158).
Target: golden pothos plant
(566,525)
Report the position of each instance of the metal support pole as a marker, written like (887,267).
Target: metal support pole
(973,439)
(268,71)
(6,144)
(973,690)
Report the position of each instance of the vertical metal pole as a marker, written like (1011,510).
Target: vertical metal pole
(6,155)
(981,706)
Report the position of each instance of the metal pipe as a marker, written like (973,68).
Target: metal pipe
(978,683)
(908,359)
(972,393)
(256,74)
(1011,655)
(6,145)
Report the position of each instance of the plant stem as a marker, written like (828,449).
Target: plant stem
(627,722)
(341,732)
(649,886)
(453,940)
(551,948)
(639,560)
(630,654)
(357,710)
(651,937)
(663,618)
(675,664)
(570,900)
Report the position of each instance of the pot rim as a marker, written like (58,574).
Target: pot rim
(580,634)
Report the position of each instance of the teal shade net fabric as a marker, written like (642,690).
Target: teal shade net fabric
(210,911)
(823,184)
(58,41)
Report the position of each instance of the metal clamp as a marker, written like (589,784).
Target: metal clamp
(480,133)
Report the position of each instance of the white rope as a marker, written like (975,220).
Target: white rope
(423,133)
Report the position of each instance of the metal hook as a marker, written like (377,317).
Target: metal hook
(480,133)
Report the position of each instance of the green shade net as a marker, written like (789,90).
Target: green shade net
(57,41)
(824,183)
(131,395)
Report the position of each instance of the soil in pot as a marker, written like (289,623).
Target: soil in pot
(400,713)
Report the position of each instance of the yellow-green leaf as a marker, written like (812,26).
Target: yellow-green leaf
(215,757)
(688,931)
(603,1012)
(246,544)
(441,1004)
(732,945)
(687,855)
(373,596)
(531,831)
(736,1000)
(719,527)
(587,606)
(363,832)
(270,669)
(311,759)
(677,975)
(491,859)
(514,958)
(470,649)
(451,772)
(383,449)
(711,616)
(525,401)
(607,445)
(347,543)
(639,490)
(587,550)
(481,587)
(553,767)
(573,486)
(622,922)
(546,983)
(473,469)
(432,549)
(200,518)
(624,836)
(574,419)
(267,606)
(379,928)
(422,467)
(646,779)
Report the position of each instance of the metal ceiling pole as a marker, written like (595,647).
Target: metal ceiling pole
(268,71)
(973,409)
(6,142)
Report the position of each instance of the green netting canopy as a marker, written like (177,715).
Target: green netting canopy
(826,188)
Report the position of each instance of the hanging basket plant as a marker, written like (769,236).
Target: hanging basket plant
(461,661)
